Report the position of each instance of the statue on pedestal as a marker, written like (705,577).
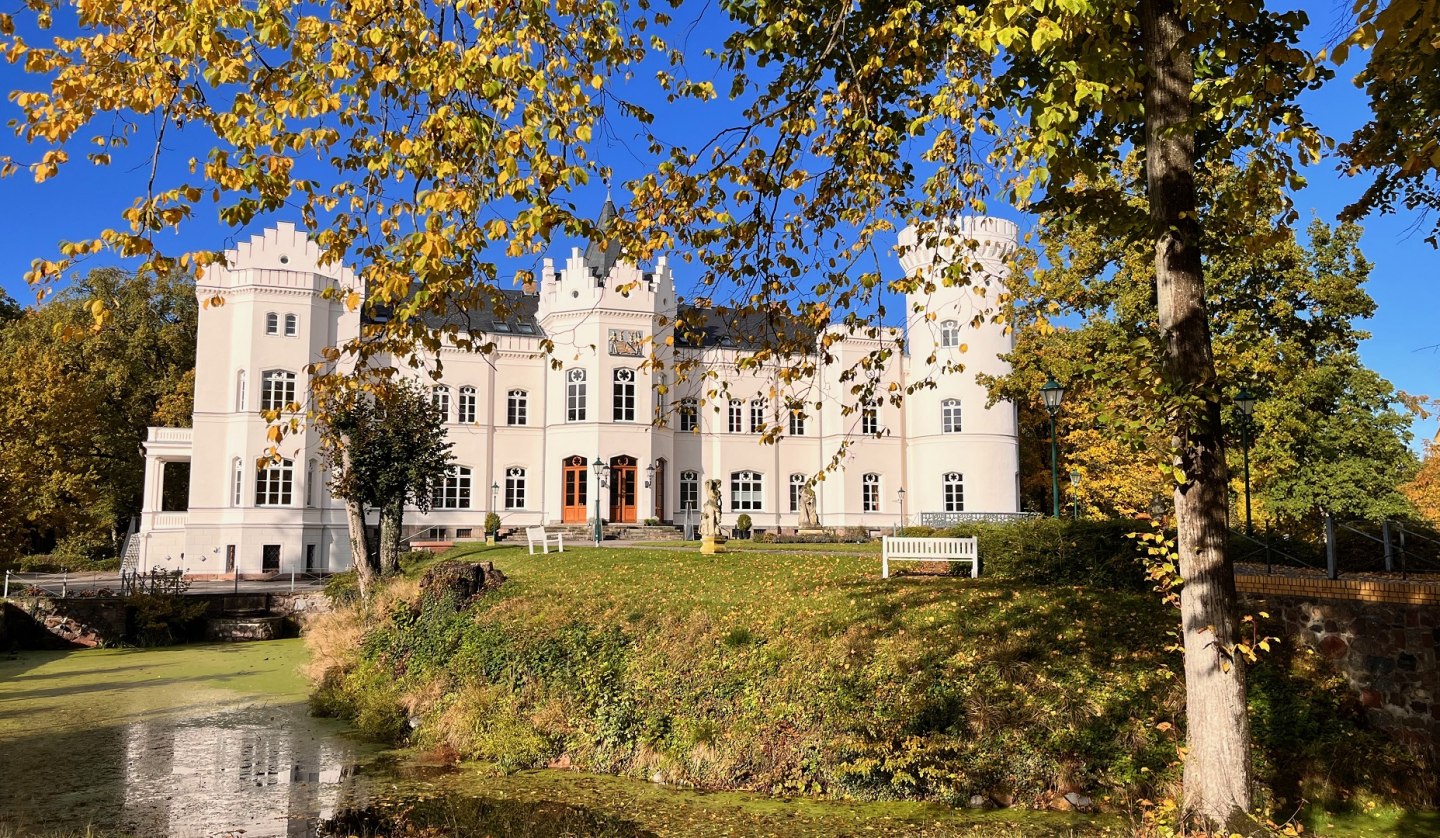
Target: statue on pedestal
(809,516)
(711,541)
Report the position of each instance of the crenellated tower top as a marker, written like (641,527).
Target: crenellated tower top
(982,238)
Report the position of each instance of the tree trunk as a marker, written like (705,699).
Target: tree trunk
(391,517)
(359,542)
(1217,763)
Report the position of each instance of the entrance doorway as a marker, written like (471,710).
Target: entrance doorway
(622,489)
(575,479)
(659,485)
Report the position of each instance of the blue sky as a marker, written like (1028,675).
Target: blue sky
(82,200)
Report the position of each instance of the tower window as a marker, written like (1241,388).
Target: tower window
(870,493)
(466,407)
(623,409)
(272,323)
(950,416)
(953,492)
(292,325)
(516,407)
(575,396)
(950,333)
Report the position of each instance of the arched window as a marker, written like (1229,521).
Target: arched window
(797,491)
(737,412)
(623,409)
(465,410)
(517,407)
(747,491)
(870,419)
(440,398)
(870,493)
(689,490)
(292,325)
(240,386)
(575,395)
(689,415)
(515,488)
(953,492)
(950,333)
(950,416)
(454,492)
(757,415)
(797,422)
(275,484)
(237,482)
(272,323)
(277,389)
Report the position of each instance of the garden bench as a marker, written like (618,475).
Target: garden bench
(538,535)
(906,548)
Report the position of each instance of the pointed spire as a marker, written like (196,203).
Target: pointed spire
(598,261)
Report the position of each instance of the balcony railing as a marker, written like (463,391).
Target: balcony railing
(170,435)
(169,521)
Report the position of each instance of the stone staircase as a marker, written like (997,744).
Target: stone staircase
(130,556)
(582,533)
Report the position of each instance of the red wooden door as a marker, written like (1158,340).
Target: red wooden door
(575,481)
(622,490)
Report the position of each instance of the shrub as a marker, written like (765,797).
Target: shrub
(492,523)
(342,588)
(743,523)
(1049,551)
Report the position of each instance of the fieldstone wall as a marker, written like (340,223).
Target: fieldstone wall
(1387,650)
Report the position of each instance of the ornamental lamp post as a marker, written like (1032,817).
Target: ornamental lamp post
(649,475)
(599,466)
(1052,394)
(1075,495)
(900,502)
(1245,405)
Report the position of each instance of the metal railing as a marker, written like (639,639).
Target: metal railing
(1348,546)
(62,585)
(951,519)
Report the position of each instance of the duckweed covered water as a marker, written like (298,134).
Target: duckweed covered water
(217,740)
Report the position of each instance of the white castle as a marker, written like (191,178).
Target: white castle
(527,435)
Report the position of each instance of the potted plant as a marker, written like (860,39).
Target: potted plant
(492,527)
(742,525)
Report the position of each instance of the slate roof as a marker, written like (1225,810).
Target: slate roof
(520,319)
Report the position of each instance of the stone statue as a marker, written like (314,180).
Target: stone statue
(710,515)
(809,517)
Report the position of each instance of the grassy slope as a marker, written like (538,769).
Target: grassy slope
(796,672)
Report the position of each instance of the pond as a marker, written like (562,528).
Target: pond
(218,741)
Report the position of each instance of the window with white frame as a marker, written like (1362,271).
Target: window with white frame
(950,416)
(237,482)
(465,408)
(952,495)
(277,389)
(272,323)
(689,490)
(737,413)
(515,488)
(797,492)
(440,398)
(623,404)
(575,395)
(870,419)
(312,482)
(292,325)
(689,415)
(797,422)
(950,333)
(517,408)
(241,384)
(454,492)
(757,415)
(275,484)
(662,394)
(870,493)
(747,491)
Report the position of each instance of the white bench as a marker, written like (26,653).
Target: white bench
(538,535)
(906,548)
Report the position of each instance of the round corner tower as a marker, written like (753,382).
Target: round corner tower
(962,454)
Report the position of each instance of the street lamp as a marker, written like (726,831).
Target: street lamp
(1245,404)
(649,475)
(1052,394)
(494,490)
(900,502)
(599,466)
(1075,495)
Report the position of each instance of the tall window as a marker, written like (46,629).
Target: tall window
(797,491)
(275,484)
(440,398)
(575,396)
(689,415)
(515,488)
(797,423)
(689,490)
(736,413)
(240,387)
(870,493)
(950,333)
(953,492)
(662,395)
(516,408)
(454,493)
(292,325)
(747,491)
(466,407)
(277,389)
(757,415)
(624,393)
(870,419)
(272,323)
(237,482)
(312,482)
(950,416)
